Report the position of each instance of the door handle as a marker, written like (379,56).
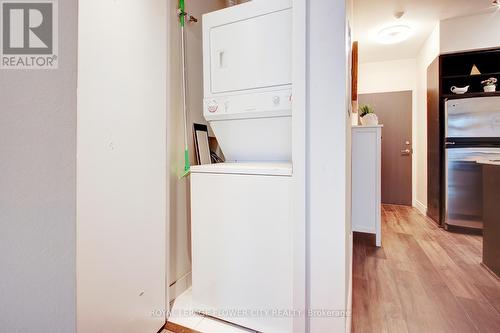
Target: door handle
(222,59)
(405,152)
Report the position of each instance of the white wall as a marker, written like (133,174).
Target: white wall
(327,166)
(395,75)
(470,32)
(178,201)
(179,208)
(386,76)
(38,189)
(299,161)
(121,165)
(452,35)
(427,54)
(348,235)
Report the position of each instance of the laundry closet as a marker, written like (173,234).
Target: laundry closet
(211,189)
(237,235)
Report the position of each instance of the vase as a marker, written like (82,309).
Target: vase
(490,88)
(370,119)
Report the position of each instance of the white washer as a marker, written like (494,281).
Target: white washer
(242,243)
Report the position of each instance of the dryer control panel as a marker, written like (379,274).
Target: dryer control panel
(257,105)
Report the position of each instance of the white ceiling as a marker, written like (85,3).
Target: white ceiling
(370,16)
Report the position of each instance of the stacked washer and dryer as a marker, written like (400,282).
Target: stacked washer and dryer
(242,248)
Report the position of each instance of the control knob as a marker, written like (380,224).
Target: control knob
(276,100)
(212,106)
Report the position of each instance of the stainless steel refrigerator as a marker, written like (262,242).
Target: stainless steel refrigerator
(472,133)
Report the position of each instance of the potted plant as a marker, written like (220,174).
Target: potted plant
(368,118)
(490,85)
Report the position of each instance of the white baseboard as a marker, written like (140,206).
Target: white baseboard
(180,286)
(420,207)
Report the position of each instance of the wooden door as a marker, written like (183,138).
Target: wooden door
(394,110)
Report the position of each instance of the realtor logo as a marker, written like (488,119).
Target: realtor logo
(28,34)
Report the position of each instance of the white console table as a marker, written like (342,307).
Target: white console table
(366,183)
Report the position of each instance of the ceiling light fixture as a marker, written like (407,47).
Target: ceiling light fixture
(394,34)
(399,14)
(496,3)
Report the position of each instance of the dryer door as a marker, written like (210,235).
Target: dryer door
(251,53)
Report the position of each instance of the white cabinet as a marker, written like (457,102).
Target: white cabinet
(366,183)
(121,193)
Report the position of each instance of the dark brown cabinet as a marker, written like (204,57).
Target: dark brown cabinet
(434,155)
(491,217)
(443,73)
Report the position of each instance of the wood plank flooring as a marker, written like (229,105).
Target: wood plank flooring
(422,279)
(176,328)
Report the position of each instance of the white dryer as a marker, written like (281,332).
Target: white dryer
(247,79)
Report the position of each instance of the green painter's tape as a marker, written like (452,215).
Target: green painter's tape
(182,12)
(187,166)
(186,160)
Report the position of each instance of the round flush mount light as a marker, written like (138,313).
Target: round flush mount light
(394,34)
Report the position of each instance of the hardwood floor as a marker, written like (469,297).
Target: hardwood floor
(422,279)
(176,328)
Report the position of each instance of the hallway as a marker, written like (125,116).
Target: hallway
(422,279)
